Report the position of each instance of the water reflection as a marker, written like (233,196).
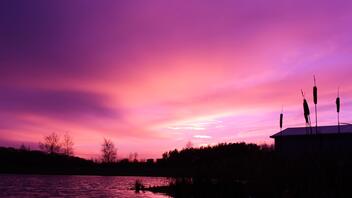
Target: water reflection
(75,186)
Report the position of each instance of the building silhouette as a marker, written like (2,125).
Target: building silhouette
(324,140)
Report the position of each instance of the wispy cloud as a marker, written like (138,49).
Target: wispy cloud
(161,74)
(202,136)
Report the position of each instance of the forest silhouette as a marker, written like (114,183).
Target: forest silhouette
(222,170)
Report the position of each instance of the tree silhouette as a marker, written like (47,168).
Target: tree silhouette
(25,148)
(67,145)
(108,151)
(189,145)
(133,157)
(51,144)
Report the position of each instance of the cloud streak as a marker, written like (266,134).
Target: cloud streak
(150,73)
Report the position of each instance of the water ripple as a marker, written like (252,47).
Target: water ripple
(75,186)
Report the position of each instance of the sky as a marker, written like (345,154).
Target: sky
(154,75)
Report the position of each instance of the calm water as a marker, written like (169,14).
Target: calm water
(75,186)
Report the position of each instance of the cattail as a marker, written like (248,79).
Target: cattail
(306,111)
(338,104)
(306,107)
(306,118)
(315,92)
(315,98)
(281,117)
(338,109)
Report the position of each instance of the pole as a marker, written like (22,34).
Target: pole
(316,120)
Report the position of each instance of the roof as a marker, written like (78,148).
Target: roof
(323,130)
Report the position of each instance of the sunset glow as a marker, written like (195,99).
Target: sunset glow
(154,75)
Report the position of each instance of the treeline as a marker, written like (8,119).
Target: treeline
(25,161)
(56,156)
(251,168)
(258,171)
(237,159)
(222,159)
(54,144)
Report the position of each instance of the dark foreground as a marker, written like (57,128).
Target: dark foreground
(204,188)
(225,170)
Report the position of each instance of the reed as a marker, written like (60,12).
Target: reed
(315,98)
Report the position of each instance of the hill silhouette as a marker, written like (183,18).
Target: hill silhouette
(38,162)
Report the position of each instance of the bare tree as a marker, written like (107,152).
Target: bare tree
(189,145)
(51,143)
(133,157)
(130,157)
(108,151)
(67,145)
(24,147)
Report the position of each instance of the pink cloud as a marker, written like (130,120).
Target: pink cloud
(154,75)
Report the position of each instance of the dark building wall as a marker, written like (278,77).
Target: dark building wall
(314,144)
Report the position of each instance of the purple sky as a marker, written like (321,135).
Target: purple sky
(153,75)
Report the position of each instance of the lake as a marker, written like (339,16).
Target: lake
(76,186)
